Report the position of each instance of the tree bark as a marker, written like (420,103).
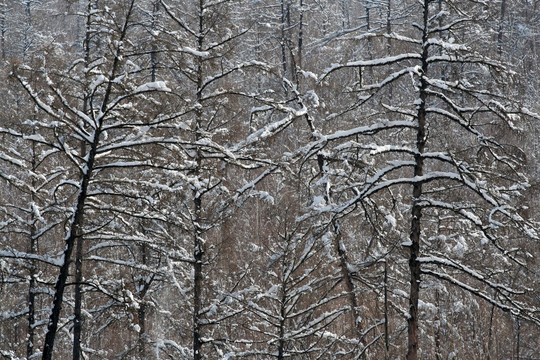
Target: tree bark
(386,330)
(416,213)
(77,313)
(198,246)
(501,27)
(75,228)
(33,270)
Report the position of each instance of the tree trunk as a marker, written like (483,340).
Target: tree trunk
(33,270)
(198,246)
(300,34)
(3,30)
(386,330)
(416,213)
(389,26)
(77,313)
(501,27)
(73,234)
(75,228)
(284,17)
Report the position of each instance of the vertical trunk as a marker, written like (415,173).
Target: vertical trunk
(490,333)
(75,226)
(153,54)
(284,10)
(438,355)
(346,23)
(300,33)
(416,212)
(3,15)
(368,73)
(349,284)
(518,340)
(197,287)
(501,27)
(389,26)
(198,246)
(77,311)
(368,19)
(28,32)
(30,346)
(31,301)
(386,330)
(141,312)
(282,315)
(73,233)
(282,343)
(340,250)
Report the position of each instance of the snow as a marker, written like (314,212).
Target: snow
(153,86)
(375,62)
(100,79)
(192,51)
(461,247)
(391,220)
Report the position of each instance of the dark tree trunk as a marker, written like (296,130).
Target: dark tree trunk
(73,234)
(386,330)
(75,228)
(77,313)
(198,246)
(501,26)
(300,33)
(416,213)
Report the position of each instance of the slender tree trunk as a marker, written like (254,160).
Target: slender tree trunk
(416,212)
(284,11)
(438,355)
(300,33)
(75,228)
(389,26)
(30,346)
(490,333)
(77,313)
(73,234)
(349,284)
(141,312)
(518,338)
(198,246)
(501,27)
(346,23)
(153,54)
(386,330)
(3,29)
(339,248)
(197,283)
(282,316)
(32,300)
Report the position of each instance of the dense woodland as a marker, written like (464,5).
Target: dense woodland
(269,179)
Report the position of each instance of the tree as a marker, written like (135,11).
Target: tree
(431,164)
(79,128)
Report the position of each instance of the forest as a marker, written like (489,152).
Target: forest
(269,179)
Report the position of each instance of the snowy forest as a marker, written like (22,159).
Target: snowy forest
(269,179)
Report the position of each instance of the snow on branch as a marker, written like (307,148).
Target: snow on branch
(437,260)
(370,63)
(512,306)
